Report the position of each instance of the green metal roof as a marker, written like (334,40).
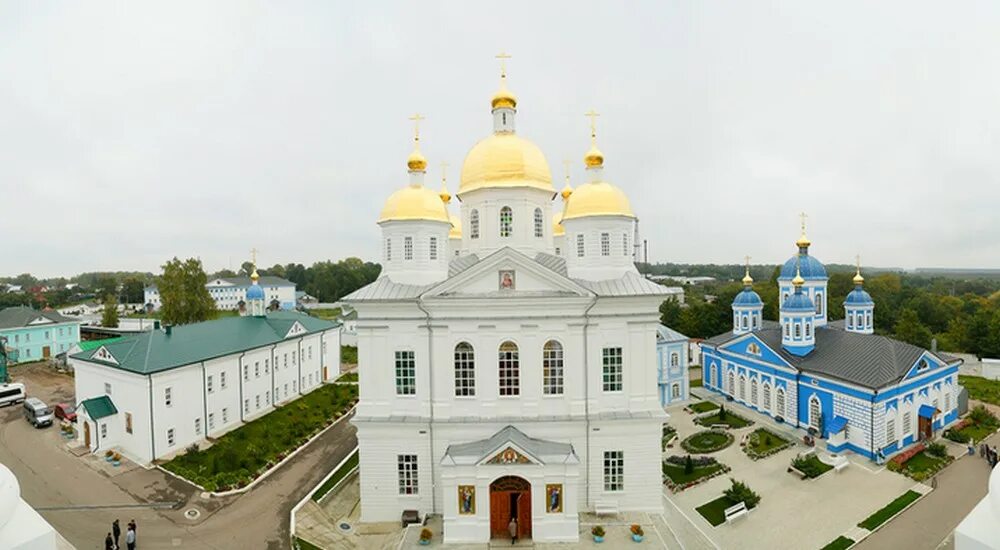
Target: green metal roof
(89,345)
(156,351)
(99,407)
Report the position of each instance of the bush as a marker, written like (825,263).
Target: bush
(636,529)
(597,531)
(698,461)
(740,492)
(894,466)
(722,412)
(937,450)
(688,465)
(426,534)
(982,416)
(953,435)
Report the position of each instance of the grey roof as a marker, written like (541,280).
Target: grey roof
(869,360)
(461,263)
(667,334)
(384,289)
(552,262)
(21,316)
(548,452)
(632,284)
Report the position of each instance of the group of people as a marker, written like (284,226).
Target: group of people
(111,542)
(989,453)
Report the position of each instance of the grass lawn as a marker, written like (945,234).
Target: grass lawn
(922,462)
(305,545)
(715,511)
(891,509)
(730,420)
(350,464)
(328,314)
(811,466)
(707,441)
(349,355)
(765,441)
(703,406)
(241,455)
(840,543)
(697,383)
(348,377)
(977,432)
(981,389)
(677,475)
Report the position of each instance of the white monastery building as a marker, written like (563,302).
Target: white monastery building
(511,373)
(230,293)
(153,394)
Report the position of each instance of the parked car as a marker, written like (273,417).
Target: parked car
(11,394)
(37,413)
(65,411)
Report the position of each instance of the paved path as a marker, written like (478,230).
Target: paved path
(931,520)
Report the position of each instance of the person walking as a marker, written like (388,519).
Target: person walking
(135,529)
(116,530)
(130,537)
(109,543)
(512,528)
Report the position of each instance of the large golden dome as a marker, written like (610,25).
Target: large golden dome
(505,160)
(598,198)
(414,202)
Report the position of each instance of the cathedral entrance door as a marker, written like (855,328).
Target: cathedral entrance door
(925,428)
(510,497)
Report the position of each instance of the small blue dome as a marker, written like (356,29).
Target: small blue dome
(809,267)
(255,292)
(748,298)
(798,301)
(858,297)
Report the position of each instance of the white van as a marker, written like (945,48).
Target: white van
(37,413)
(11,394)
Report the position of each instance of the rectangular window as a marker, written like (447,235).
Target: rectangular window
(407,467)
(107,388)
(388,249)
(434,248)
(225,416)
(170,437)
(267,366)
(286,389)
(605,244)
(552,368)
(625,250)
(612,369)
(407,248)
(890,430)
(211,421)
(907,423)
(257,399)
(246,372)
(614,470)
(465,371)
(211,387)
(167,400)
(128,423)
(222,379)
(310,353)
(406,373)
(46,335)
(267,397)
(246,406)
(256,369)
(294,386)
(104,431)
(293,358)
(286,360)
(579,245)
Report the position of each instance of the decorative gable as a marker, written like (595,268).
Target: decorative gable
(102,354)
(40,321)
(924,364)
(509,455)
(752,346)
(296,330)
(507,272)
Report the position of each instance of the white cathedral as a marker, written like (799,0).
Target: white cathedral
(507,356)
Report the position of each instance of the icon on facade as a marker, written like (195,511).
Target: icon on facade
(507,280)
(467,499)
(553,498)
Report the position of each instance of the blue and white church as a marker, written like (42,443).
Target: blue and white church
(838,380)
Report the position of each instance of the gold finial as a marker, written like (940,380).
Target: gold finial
(803,241)
(445,196)
(416,161)
(253,259)
(503,57)
(747,279)
(858,279)
(594,157)
(503,97)
(566,190)
(798,281)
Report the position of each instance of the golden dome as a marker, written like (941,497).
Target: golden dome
(597,198)
(416,162)
(254,276)
(594,157)
(444,194)
(747,279)
(414,202)
(456,227)
(803,241)
(504,97)
(566,192)
(557,227)
(798,280)
(505,160)
(858,279)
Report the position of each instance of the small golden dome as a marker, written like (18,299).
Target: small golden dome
(414,202)
(456,227)
(803,241)
(505,160)
(798,280)
(597,198)
(444,194)
(747,279)
(557,227)
(254,276)
(566,192)
(858,279)
(416,161)
(503,97)
(594,157)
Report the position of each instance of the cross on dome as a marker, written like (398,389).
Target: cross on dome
(504,98)
(444,194)
(803,242)
(416,161)
(566,190)
(594,157)
(747,279)
(858,279)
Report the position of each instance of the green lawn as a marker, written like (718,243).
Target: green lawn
(328,314)
(349,355)
(305,545)
(695,383)
(241,455)
(977,432)
(891,509)
(981,389)
(707,441)
(677,475)
(811,466)
(731,420)
(765,441)
(703,406)
(840,543)
(922,462)
(348,377)
(351,463)
(715,511)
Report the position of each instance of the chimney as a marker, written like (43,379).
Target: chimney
(156,324)
(166,329)
(933,345)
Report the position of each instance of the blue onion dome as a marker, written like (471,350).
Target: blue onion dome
(798,301)
(255,292)
(858,297)
(748,298)
(809,267)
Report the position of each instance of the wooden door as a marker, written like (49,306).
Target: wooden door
(86,433)
(326,373)
(524,515)
(925,428)
(499,514)
(46,352)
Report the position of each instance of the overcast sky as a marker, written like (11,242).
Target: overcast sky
(131,133)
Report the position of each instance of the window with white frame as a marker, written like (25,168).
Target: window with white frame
(753,391)
(170,437)
(246,406)
(890,427)
(107,388)
(434,248)
(779,402)
(850,320)
(256,369)
(211,386)
(225,416)
(868,319)
(388,249)
(819,303)
(474,224)
(731,386)
(406,467)
(257,401)
(614,471)
(625,250)
(605,244)
(675,359)
(798,330)
(808,329)
(197,426)
(815,412)
(246,372)
(787,325)
(743,388)
(509,369)
(675,390)
(579,245)
(767,396)
(506,221)
(211,421)
(552,368)
(947,400)
(407,248)
(267,366)
(406,373)
(222,379)
(611,369)
(539,223)
(907,423)
(167,399)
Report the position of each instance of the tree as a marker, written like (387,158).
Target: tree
(670,313)
(105,286)
(910,329)
(741,492)
(183,294)
(109,319)
(133,290)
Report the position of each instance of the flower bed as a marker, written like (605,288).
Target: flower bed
(240,456)
(669,434)
(704,468)
(725,417)
(810,466)
(923,464)
(979,425)
(707,441)
(762,443)
(890,510)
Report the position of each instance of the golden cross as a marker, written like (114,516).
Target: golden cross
(566,164)
(858,259)
(444,167)
(803,216)
(593,122)
(416,126)
(253,256)
(747,258)
(503,57)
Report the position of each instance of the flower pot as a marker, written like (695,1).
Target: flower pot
(425,542)
(598,539)
(636,538)
(108,458)
(116,463)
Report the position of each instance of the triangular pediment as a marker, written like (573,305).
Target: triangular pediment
(296,330)
(507,273)
(40,321)
(102,354)
(509,454)
(751,346)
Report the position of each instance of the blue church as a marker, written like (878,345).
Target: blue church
(838,380)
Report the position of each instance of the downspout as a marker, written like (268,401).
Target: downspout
(430,372)
(274,393)
(152,428)
(204,397)
(871,430)
(239,375)
(298,365)
(586,390)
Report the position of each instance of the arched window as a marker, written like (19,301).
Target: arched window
(605,244)
(434,248)
(552,368)
(743,388)
(787,324)
(711,375)
(815,412)
(407,248)
(675,359)
(474,224)
(753,391)
(868,319)
(509,369)
(465,370)
(819,303)
(798,331)
(850,320)
(625,250)
(732,383)
(506,221)
(744,321)
(779,402)
(579,245)
(767,396)
(539,223)
(809,327)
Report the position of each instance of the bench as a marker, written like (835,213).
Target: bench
(719,426)
(840,465)
(736,511)
(410,517)
(606,507)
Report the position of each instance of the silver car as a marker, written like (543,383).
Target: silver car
(37,413)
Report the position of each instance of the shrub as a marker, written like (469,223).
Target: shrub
(937,450)
(722,412)
(982,416)
(636,529)
(698,461)
(953,435)
(426,534)
(597,531)
(894,466)
(740,492)
(689,465)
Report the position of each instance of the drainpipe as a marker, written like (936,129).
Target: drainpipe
(586,390)
(430,373)
(152,428)
(239,375)
(204,397)
(871,428)
(298,365)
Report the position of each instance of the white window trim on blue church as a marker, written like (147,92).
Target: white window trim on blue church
(864,384)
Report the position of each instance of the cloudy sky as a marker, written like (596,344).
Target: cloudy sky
(132,133)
